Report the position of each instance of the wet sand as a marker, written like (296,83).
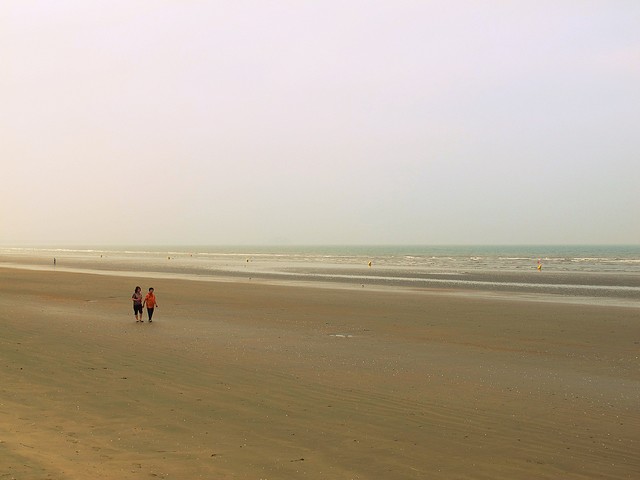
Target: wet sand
(249,380)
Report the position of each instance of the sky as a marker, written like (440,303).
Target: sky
(319,122)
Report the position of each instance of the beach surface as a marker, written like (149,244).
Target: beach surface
(250,380)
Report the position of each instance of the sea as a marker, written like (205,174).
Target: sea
(593,271)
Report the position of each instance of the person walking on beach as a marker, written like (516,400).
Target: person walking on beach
(150,302)
(137,304)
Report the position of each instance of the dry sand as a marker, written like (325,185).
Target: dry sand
(257,381)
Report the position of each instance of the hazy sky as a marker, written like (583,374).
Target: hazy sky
(315,122)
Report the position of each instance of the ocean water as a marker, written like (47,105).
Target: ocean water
(576,270)
(564,258)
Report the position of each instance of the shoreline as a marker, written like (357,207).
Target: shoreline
(589,289)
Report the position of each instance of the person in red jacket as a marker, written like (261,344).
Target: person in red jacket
(150,302)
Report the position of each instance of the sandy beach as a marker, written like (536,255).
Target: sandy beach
(247,380)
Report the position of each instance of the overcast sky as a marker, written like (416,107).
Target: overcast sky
(319,122)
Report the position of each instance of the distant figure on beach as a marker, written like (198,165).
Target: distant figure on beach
(539,265)
(54,261)
(150,302)
(137,304)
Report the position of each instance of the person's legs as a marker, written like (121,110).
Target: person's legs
(150,313)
